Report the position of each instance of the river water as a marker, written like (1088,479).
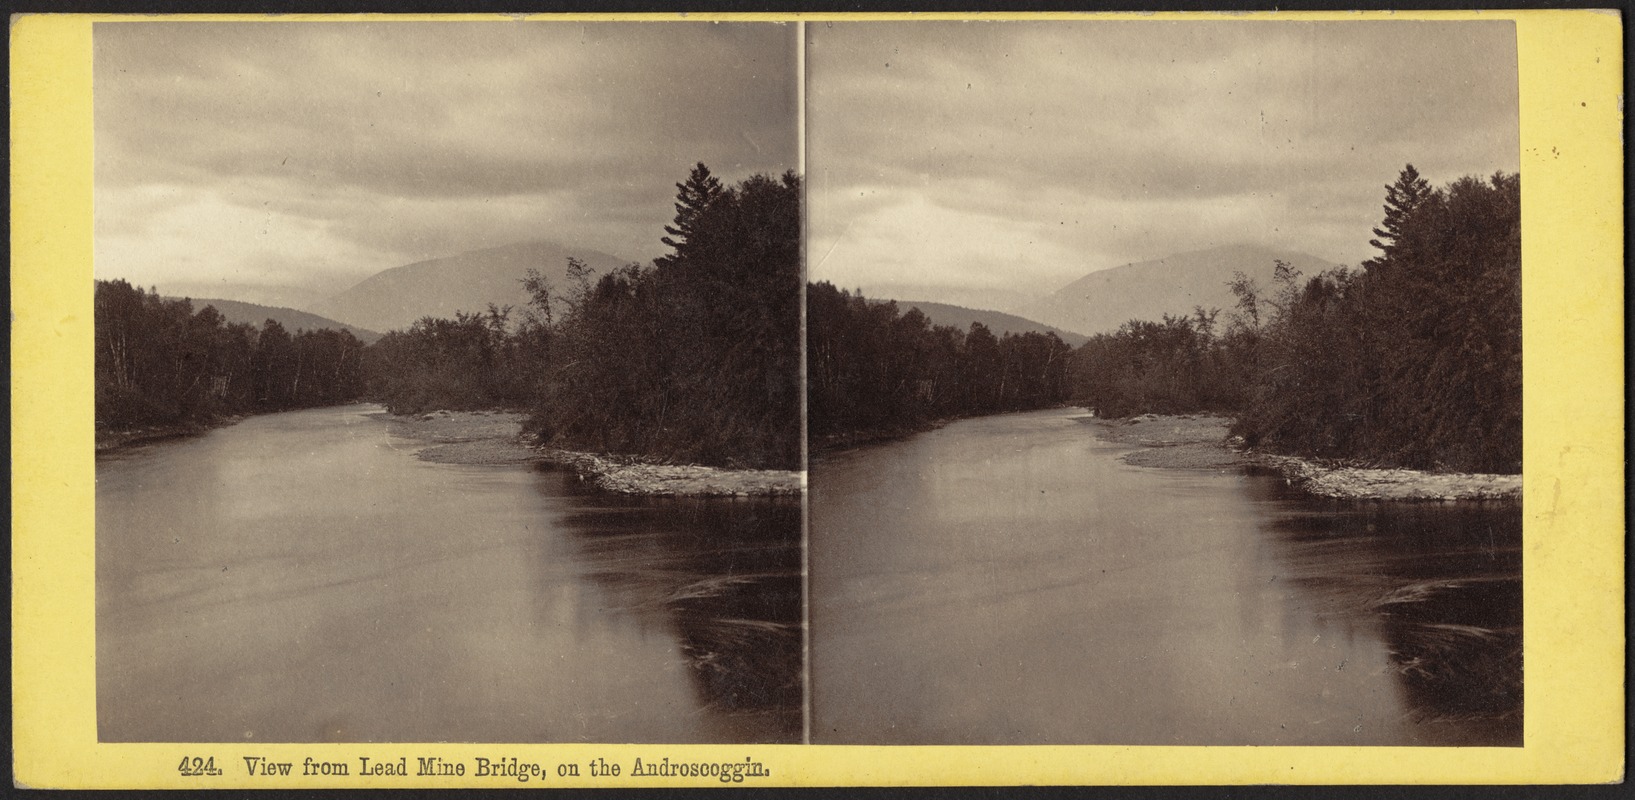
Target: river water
(1008,580)
(302,577)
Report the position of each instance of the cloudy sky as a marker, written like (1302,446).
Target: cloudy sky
(268,160)
(976,162)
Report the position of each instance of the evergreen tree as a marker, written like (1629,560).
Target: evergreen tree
(1401,199)
(692,198)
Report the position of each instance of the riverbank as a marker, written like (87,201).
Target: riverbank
(495,437)
(114,441)
(850,440)
(821,446)
(466,437)
(1191,441)
(627,475)
(1200,441)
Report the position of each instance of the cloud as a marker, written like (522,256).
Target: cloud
(199,232)
(971,154)
(910,234)
(1138,139)
(370,144)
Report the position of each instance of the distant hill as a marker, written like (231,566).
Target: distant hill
(276,296)
(998,322)
(398,297)
(983,297)
(251,314)
(1103,300)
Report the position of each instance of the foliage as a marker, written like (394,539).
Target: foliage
(1176,366)
(470,362)
(873,370)
(1417,360)
(1401,200)
(697,357)
(694,358)
(160,363)
(692,198)
(1413,361)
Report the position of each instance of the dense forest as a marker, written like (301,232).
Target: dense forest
(696,358)
(1413,360)
(873,371)
(160,363)
(474,361)
(693,358)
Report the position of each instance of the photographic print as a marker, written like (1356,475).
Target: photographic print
(1164,383)
(686,400)
(447,383)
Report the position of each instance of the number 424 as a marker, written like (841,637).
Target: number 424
(194,766)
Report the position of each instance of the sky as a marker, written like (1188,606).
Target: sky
(270,161)
(985,162)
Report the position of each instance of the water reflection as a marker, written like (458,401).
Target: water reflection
(724,575)
(1008,580)
(303,577)
(1440,582)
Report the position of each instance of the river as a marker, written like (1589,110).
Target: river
(303,577)
(1008,580)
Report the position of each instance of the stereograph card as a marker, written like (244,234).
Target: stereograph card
(417,401)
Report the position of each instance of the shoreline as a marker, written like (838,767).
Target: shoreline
(625,475)
(1203,441)
(836,443)
(108,442)
(842,442)
(495,438)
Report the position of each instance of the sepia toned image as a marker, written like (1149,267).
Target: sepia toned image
(447,382)
(1164,383)
(643,401)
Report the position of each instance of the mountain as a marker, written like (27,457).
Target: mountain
(984,297)
(398,297)
(276,296)
(1105,299)
(998,322)
(251,314)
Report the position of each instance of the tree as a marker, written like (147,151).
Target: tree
(1415,362)
(693,197)
(695,358)
(873,370)
(1401,200)
(274,366)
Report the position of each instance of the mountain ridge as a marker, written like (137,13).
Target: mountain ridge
(396,298)
(1102,300)
(293,319)
(999,322)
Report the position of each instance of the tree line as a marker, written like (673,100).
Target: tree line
(1177,365)
(873,370)
(473,361)
(693,358)
(1413,360)
(160,363)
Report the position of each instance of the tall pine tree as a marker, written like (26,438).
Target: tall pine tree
(692,197)
(1401,199)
